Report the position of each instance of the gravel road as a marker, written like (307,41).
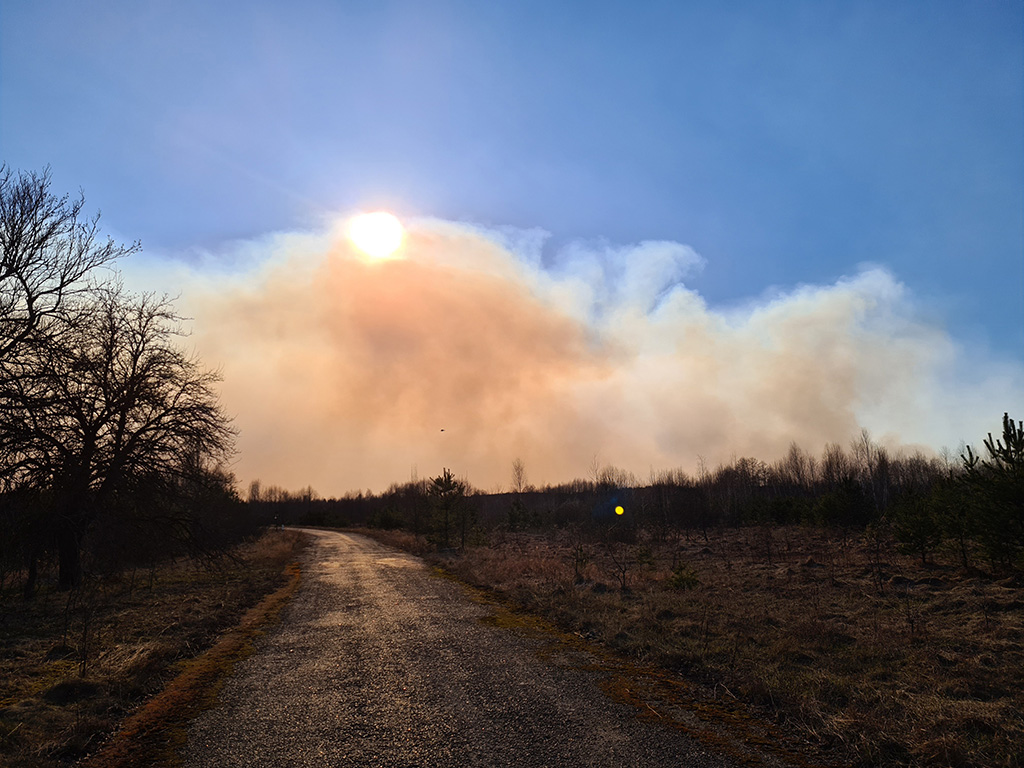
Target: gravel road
(376,662)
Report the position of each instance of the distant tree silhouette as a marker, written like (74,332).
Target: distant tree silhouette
(517,515)
(518,476)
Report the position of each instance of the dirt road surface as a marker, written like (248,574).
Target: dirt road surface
(378,662)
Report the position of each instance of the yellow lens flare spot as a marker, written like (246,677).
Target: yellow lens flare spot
(620,511)
(378,235)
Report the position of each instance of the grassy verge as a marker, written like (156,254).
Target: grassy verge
(74,666)
(860,651)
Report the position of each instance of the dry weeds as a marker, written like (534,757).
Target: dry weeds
(860,650)
(73,666)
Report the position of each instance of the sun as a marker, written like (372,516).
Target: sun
(377,234)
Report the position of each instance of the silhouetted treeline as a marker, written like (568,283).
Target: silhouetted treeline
(971,506)
(111,436)
(444,508)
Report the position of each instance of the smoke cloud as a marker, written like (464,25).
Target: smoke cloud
(477,347)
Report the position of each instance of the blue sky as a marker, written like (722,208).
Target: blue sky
(788,142)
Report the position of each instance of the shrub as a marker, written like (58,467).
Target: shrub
(683,578)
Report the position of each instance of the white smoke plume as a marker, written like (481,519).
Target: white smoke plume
(472,349)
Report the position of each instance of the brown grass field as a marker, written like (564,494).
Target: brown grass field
(72,670)
(861,652)
(833,638)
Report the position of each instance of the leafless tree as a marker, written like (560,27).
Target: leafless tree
(796,469)
(109,406)
(47,250)
(518,476)
(836,467)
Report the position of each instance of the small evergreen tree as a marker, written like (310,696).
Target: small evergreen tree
(448,497)
(917,525)
(996,487)
(518,517)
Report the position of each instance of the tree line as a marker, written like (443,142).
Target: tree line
(971,506)
(445,508)
(112,440)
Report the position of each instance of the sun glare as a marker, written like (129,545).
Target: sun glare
(378,234)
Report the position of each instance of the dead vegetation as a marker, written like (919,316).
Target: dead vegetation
(838,636)
(73,665)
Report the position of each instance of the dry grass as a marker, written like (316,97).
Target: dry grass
(153,733)
(74,666)
(409,542)
(841,639)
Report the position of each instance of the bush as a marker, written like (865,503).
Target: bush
(917,526)
(683,578)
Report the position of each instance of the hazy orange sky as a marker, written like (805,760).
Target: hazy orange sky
(470,350)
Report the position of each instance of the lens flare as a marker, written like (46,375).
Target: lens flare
(378,235)
(620,511)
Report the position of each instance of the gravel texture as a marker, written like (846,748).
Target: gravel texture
(377,662)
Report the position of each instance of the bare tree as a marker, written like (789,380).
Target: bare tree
(796,468)
(47,249)
(836,467)
(109,406)
(518,476)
